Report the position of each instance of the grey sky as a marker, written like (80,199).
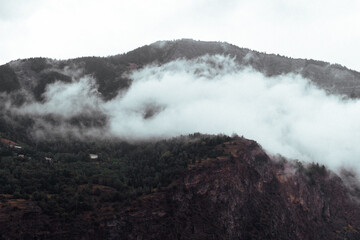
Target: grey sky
(324,30)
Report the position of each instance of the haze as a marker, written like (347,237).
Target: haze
(321,30)
(286,114)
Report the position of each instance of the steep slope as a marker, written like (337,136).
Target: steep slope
(32,81)
(50,189)
(244,196)
(34,74)
(332,77)
(241,193)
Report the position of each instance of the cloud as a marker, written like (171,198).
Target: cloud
(212,94)
(65,101)
(13,10)
(67,29)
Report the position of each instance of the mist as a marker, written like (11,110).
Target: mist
(286,114)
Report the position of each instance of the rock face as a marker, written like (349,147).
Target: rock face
(240,194)
(244,196)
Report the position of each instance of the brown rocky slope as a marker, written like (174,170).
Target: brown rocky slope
(242,194)
(245,196)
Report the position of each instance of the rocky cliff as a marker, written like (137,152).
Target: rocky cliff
(245,195)
(240,194)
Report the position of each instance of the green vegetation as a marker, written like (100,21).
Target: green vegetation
(315,171)
(108,76)
(38,64)
(71,182)
(47,79)
(8,79)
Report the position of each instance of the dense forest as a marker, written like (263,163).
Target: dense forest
(66,178)
(208,186)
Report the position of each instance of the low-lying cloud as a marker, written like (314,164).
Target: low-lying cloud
(212,94)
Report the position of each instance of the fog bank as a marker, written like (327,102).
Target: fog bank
(212,94)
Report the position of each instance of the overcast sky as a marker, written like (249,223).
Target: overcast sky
(323,30)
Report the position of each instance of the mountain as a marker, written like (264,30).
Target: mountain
(244,195)
(34,74)
(29,81)
(83,157)
(237,193)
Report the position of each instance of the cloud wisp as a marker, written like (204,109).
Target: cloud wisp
(212,94)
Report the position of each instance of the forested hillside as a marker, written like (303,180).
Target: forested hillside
(192,187)
(104,147)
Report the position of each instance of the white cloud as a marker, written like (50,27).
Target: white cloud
(17,9)
(324,30)
(285,114)
(67,100)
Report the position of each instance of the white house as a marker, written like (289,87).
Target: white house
(93,156)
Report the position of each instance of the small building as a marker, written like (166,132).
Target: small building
(93,156)
(21,155)
(49,159)
(8,142)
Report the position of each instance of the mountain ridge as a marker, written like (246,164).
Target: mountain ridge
(239,192)
(109,71)
(66,174)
